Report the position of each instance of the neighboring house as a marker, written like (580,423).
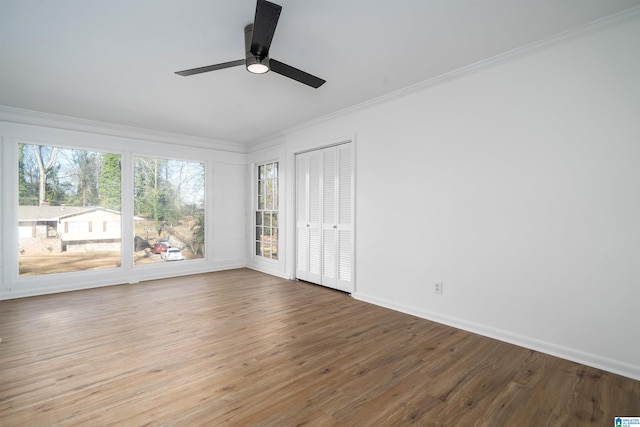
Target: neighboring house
(68,228)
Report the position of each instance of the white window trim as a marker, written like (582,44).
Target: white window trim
(254,209)
(13,285)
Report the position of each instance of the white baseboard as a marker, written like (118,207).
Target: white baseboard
(572,354)
(270,272)
(100,279)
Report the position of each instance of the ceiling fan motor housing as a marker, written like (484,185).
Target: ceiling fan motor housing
(255,63)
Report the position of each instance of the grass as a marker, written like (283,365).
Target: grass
(33,265)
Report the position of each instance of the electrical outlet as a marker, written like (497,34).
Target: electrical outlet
(437,288)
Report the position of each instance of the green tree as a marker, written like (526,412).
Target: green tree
(25,190)
(85,168)
(57,191)
(109,181)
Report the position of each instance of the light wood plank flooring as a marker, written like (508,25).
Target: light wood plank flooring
(244,348)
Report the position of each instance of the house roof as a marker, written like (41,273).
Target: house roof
(55,213)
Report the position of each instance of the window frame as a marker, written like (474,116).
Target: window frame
(14,285)
(206,202)
(262,216)
(71,142)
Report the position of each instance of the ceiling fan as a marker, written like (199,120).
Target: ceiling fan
(257,41)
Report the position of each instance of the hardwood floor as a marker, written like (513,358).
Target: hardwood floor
(243,348)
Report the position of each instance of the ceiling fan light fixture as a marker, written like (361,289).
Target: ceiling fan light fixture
(258,67)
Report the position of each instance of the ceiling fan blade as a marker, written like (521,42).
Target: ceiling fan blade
(264,26)
(211,68)
(295,74)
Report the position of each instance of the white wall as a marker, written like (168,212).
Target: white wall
(518,187)
(226,199)
(229,241)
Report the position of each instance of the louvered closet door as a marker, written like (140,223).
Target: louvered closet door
(308,216)
(324,216)
(329,217)
(314,216)
(344,212)
(302,205)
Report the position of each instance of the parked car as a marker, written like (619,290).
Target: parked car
(172,254)
(160,247)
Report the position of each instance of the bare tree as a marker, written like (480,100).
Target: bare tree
(43,170)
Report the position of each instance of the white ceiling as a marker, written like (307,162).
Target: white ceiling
(114,60)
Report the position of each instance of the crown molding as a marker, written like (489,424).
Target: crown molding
(268,141)
(37,118)
(627,15)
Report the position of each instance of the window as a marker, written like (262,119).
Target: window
(111,226)
(168,208)
(76,227)
(69,209)
(266,239)
(61,193)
